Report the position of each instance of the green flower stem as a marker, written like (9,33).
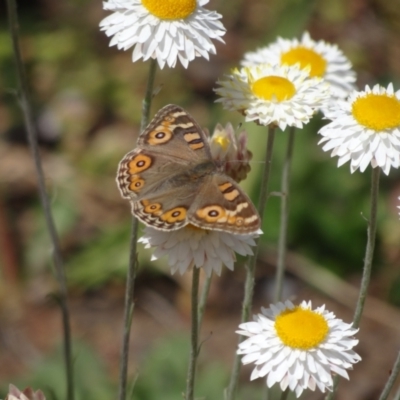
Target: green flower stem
(265,393)
(133,262)
(369,255)
(194,336)
(24,98)
(392,379)
(331,395)
(282,242)
(203,299)
(146,104)
(369,251)
(397,395)
(249,284)
(285,393)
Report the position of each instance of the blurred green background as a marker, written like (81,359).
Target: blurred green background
(87,100)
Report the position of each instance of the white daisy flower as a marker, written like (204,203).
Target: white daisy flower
(365,129)
(273,94)
(298,347)
(27,394)
(201,248)
(325,61)
(165,30)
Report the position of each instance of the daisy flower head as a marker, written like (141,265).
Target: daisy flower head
(273,94)
(324,60)
(27,394)
(298,347)
(230,149)
(195,247)
(365,129)
(167,30)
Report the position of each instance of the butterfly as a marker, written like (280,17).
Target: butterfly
(172,181)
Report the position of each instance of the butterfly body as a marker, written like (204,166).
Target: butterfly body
(172,180)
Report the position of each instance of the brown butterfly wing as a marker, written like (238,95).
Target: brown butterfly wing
(222,205)
(173,132)
(171,180)
(166,211)
(172,142)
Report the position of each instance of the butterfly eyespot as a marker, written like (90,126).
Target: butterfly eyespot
(159,136)
(139,163)
(136,183)
(177,214)
(151,208)
(239,222)
(212,214)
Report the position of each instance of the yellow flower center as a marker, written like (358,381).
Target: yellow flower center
(273,88)
(221,141)
(306,58)
(377,111)
(301,328)
(170,9)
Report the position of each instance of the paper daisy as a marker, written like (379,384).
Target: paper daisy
(27,394)
(195,247)
(230,150)
(365,129)
(273,94)
(325,61)
(298,347)
(165,30)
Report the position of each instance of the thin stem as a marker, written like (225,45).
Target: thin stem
(249,284)
(369,251)
(148,97)
(392,379)
(203,299)
(397,395)
(368,258)
(24,98)
(133,263)
(331,395)
(284,394)
(128,311)
(194,336)
(265,393)
(282,242)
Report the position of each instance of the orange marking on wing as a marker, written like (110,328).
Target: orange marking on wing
(174,215)
(232,220)
(136,183)
(196,146)
(160,135)
(191,136)
(239,221)
(212,213)
(225,186)
(139,163)
(230,196)
(152,208)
